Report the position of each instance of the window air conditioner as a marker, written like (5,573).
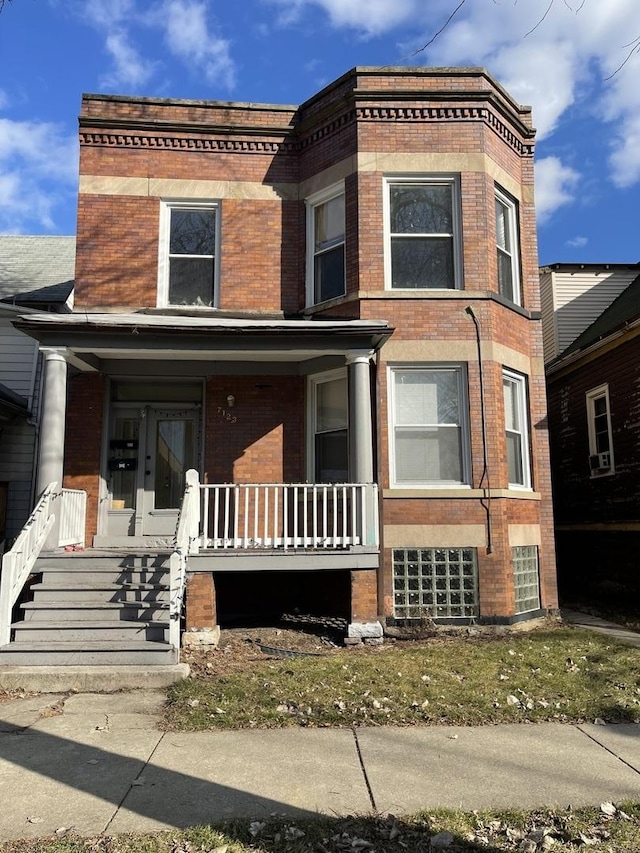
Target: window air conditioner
(600,461)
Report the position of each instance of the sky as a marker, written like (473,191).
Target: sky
(576,62)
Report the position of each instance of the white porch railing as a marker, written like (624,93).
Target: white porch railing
(290,515)
(71,508)
(18,562)
(186,542)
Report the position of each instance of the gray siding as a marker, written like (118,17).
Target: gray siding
(18,354)
(17,447)
(575,298)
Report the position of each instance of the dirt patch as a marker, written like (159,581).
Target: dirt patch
(241,648)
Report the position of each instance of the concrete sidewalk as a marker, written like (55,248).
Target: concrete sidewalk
(98,763)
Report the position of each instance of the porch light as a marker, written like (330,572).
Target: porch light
(231,401)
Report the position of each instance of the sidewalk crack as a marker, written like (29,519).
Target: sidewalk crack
(364,770)
(610,751)
(134,783)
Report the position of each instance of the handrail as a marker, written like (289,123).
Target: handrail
(20,559)
(186,541)
(280,516)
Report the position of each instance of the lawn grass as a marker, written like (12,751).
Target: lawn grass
(616,830)
(559,674)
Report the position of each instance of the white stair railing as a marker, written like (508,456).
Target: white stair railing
(71,508)
(186,542)
(18,562)
(290,515)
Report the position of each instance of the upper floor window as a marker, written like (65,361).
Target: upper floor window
(516,421)
(188,254)
(599,425)
(507,244)
(422,233)
(429,433)
(326,245)
(329,419)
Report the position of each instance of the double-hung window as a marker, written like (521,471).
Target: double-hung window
(429,434)
(188,254)
(507,244)
(516,422)
(326,245)
(599,425)
(329,446)
(422,224)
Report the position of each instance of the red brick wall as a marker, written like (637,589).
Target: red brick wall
(83,441)
(265,442)
(201,602)
(364,596)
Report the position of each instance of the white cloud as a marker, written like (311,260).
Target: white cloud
(130,69)
(189,38)
(577,242)
(38,171)
(369,17)
(555,186)
(547,53)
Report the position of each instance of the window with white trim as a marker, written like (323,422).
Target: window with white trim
(507,243)
(600,436)
(189,241)
(422,233)
(429,436)
(516,422)
(326,245)
(329,422)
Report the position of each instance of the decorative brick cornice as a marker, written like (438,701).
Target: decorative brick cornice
(221,140)
(445,113)
(182,143)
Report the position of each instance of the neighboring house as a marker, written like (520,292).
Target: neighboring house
(35,275)
(287,299)
(594,427)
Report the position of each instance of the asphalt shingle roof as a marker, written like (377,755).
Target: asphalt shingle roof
(36,269)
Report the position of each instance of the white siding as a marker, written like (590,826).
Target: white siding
(574,298)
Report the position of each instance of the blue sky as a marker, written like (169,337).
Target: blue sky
(552,54)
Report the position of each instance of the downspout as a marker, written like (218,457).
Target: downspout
(484,483)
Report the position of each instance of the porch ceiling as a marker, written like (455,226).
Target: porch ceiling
(91,338)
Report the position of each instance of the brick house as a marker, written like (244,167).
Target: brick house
(593,426)
(288,299)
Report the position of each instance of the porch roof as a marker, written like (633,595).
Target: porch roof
(92,337)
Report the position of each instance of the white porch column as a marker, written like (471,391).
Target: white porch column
(360,421)
(52,418)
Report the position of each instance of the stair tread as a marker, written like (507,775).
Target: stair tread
(88,645)
(84,605)
(42,625)
(143,587)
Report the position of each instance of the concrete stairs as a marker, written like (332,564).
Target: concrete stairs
(94,608)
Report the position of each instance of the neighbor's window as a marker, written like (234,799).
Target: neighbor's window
(435,582)
(188,249)
(326,245)
(329,450)
(422,233)
(516,428)
(429,441)
(599,425)
(507,247)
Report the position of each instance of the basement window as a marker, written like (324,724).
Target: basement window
(526,576)
(435,582)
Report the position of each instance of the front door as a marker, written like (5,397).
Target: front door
(171,449)
(150,449)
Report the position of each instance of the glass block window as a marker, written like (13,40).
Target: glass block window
(435,582)
(526,577)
